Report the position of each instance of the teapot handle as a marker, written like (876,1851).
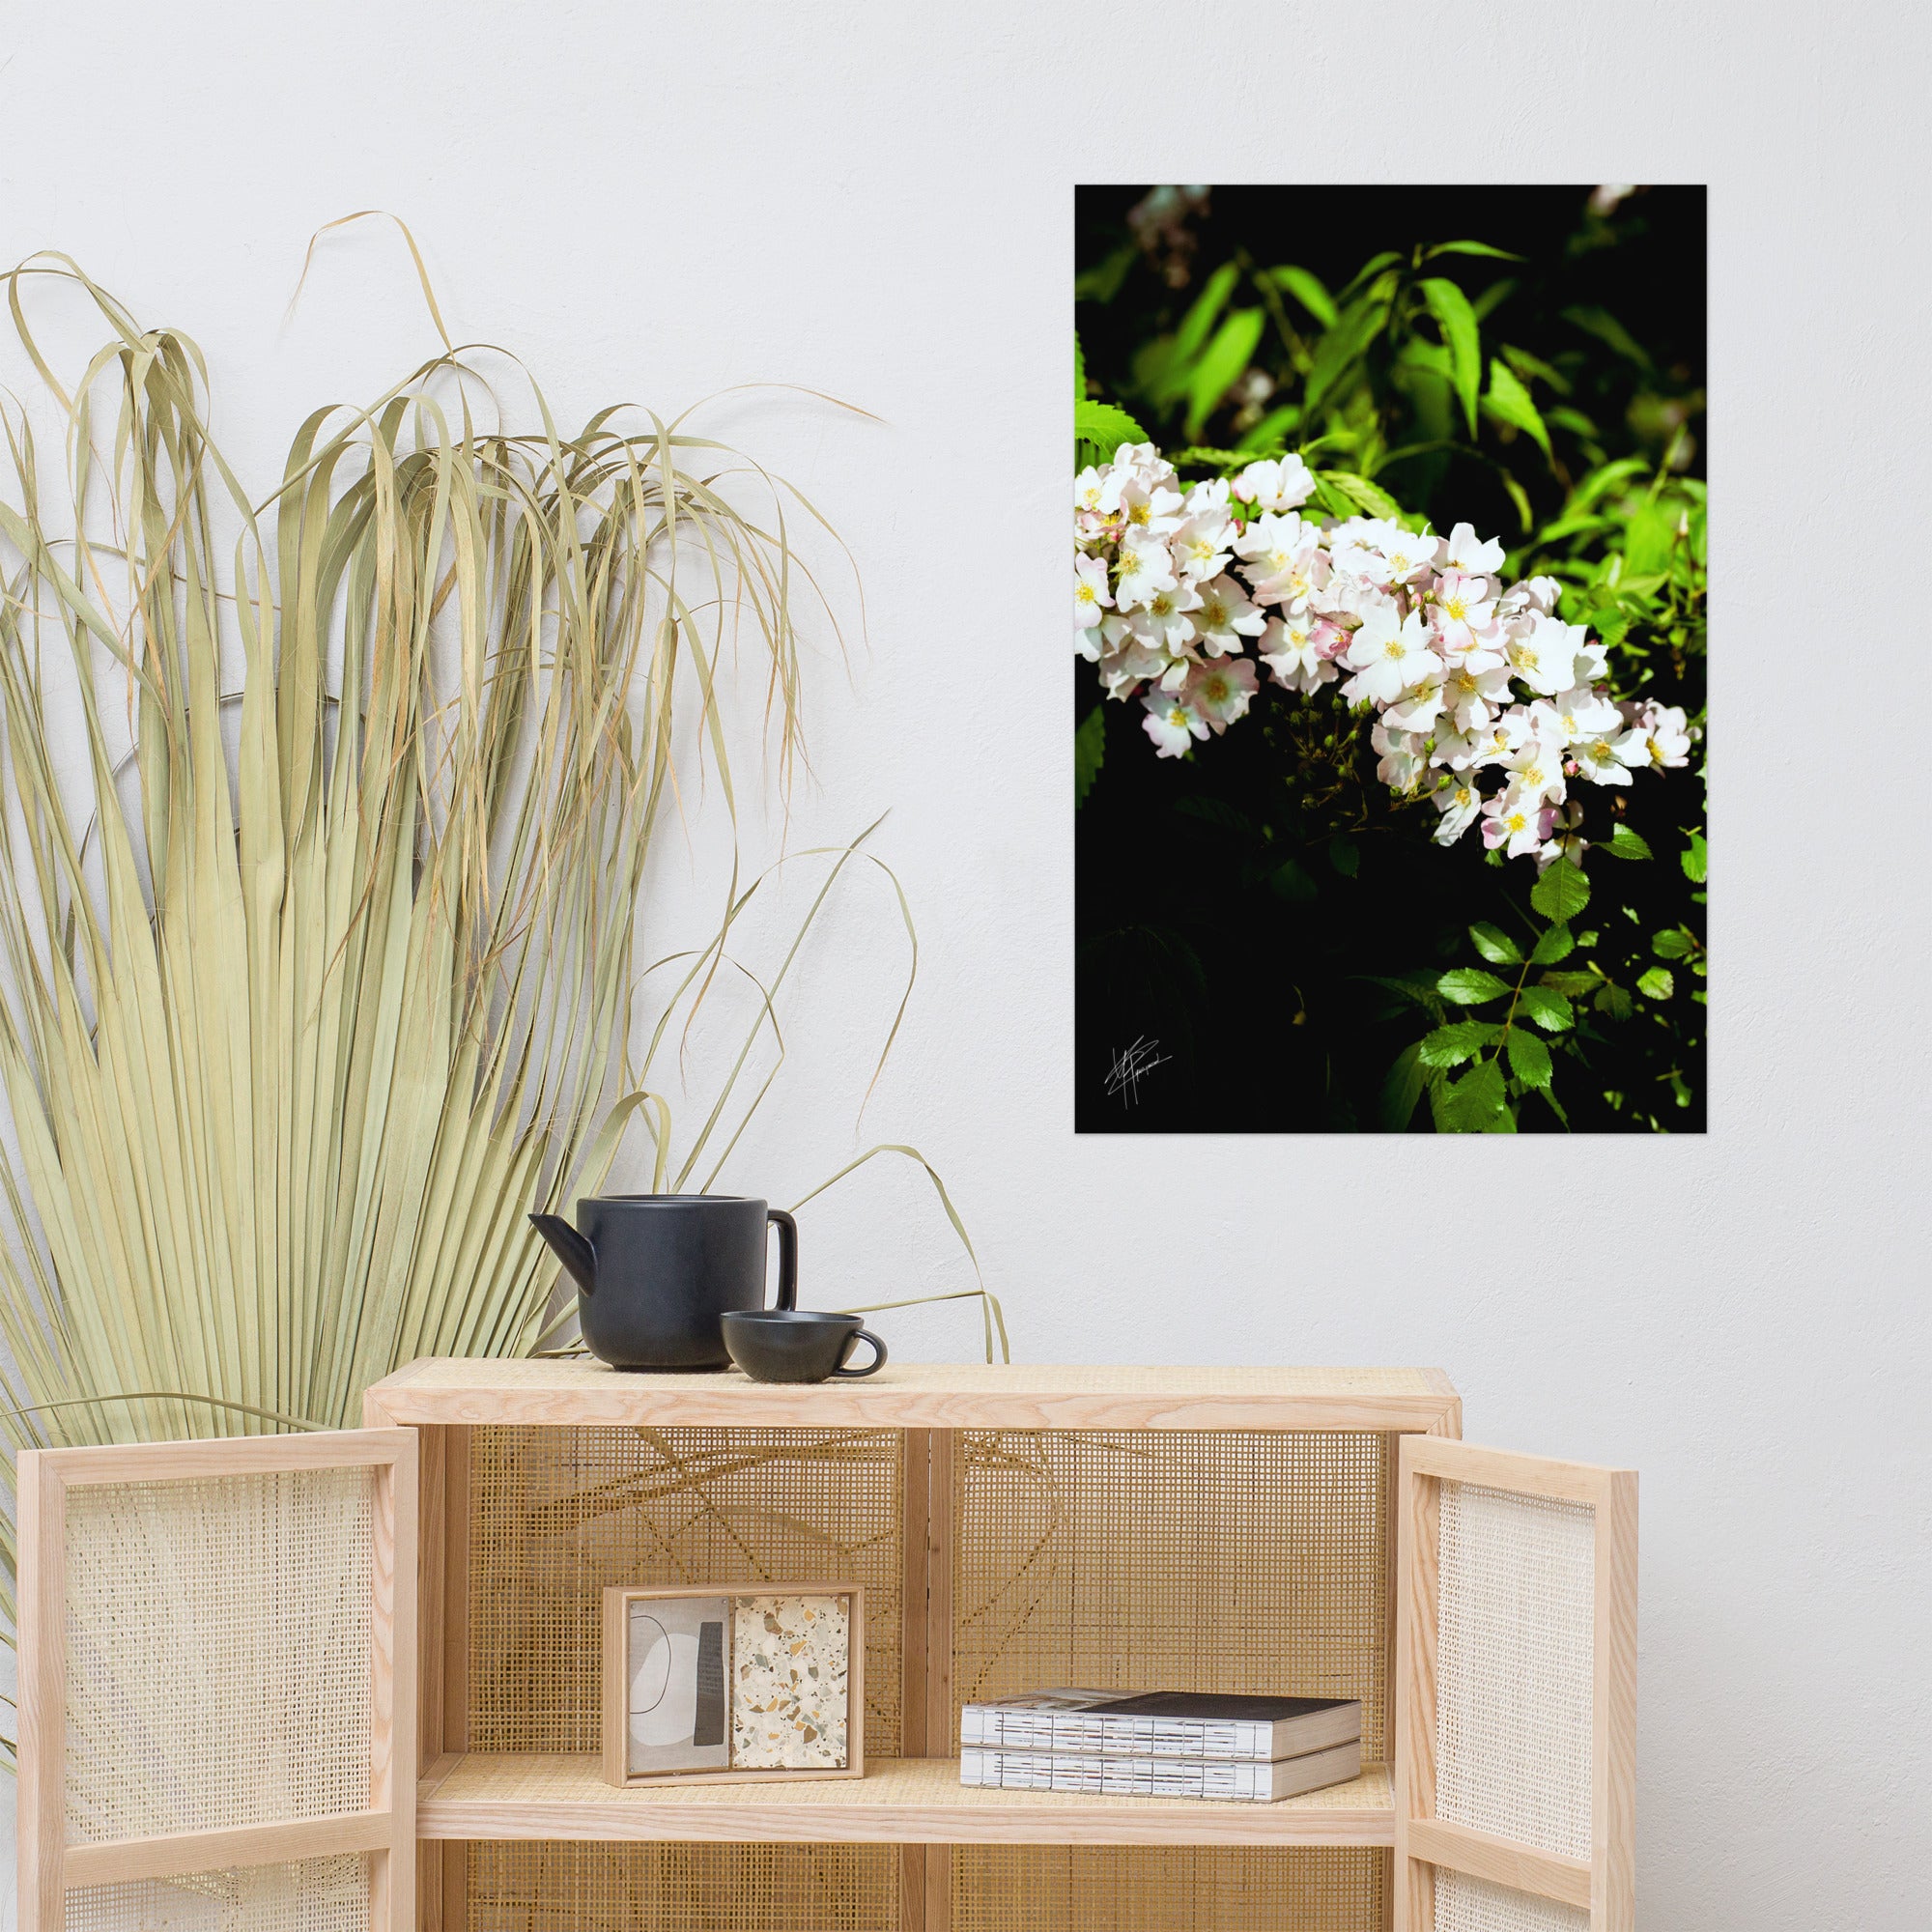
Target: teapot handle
(787,1258)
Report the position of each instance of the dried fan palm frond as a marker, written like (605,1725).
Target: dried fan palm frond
(318,974)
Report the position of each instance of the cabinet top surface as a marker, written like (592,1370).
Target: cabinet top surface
(921,1394)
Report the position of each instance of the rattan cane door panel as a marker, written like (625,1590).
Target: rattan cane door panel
(203,1692)
(309,1895)
(1189,1560)
(217,1698)
(1515,1694)
(1465,1904)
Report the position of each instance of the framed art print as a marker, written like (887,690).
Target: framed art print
(765,1684)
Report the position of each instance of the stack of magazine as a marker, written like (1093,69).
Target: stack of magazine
(1163,1744)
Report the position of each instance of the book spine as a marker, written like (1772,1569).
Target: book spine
(1116,1777)
(1014,1729)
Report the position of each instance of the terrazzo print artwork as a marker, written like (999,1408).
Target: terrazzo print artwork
(790,1657)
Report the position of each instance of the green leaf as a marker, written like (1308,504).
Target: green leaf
(1271,433)
(1554,1105)
(1556,944)
(1222,364)
(1529,1058)
(1336,353)
(1648,542)
(1495,945)
(1374,265)
(1610,331)
(1105,426)
(1673,943)
(1493,298)
(1533,368)
(1461,336)
(1469,986)
(1474,1103)
(1696,859)
(1547,1008)
(1574,984)
(1290,880)
(1079,370)
(1344,855)
(1418,987)
(1616,1002)
(1470,248)
(1600,481)
(1337,502)
(1307,291)
(1362,494)
(1624,843)
(1400,1090)
(1216,811)
(1562,892)
(1460,1040)
(1518,496)
(1199,320)
(1656,983)
(1101,283)
(1509,401)
(1090,745)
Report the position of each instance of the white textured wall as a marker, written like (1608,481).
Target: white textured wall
(875,200)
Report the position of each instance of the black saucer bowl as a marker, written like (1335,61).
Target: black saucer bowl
(793,1345)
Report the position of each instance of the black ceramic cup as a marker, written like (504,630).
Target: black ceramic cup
(793,1345)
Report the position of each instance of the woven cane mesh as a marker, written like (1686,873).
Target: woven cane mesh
(538,1887)
(558,1513)
(1252,1561)
(1465,1904)
(1119,1888)
(313,1895)
(1513,1668)
(217,1652)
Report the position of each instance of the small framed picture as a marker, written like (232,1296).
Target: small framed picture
(736,1682)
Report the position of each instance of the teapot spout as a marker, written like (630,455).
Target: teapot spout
(570,1249)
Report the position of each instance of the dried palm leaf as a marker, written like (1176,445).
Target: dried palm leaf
(315,984)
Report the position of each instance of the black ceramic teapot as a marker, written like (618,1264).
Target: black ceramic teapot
(655,1273)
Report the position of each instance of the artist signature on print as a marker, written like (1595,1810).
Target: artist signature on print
(1130,1067)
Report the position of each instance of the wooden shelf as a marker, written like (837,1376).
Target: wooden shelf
(918,1395)
(899,1802)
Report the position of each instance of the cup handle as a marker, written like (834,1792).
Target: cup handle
(787,1257)
(872,1367)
